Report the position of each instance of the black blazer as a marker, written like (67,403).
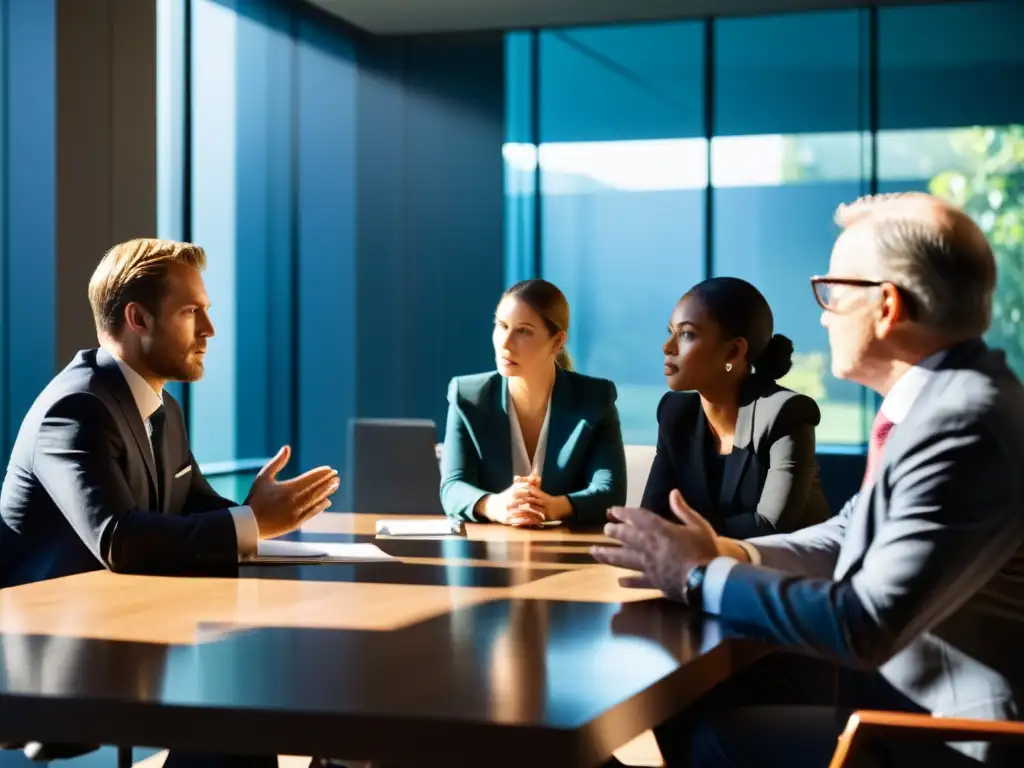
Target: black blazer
(769,481)
(80,491)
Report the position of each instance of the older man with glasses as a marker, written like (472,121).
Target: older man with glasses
(912,597)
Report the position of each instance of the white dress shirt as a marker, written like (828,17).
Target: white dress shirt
(148,401)
(521,464)
(895,406)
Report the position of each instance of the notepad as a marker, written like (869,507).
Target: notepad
(428,526)
(351,552)
(297,552)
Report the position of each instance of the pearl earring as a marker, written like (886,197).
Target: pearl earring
(728,367)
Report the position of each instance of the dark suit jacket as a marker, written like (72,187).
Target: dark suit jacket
(919,576)
(770,480)
(80,491)
(584,460)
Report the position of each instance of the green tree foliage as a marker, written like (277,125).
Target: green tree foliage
(989,185)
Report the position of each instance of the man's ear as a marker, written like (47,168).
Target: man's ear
(891,310)
(137,319)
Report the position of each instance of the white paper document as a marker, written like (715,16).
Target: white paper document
(273,551)
(349,551)
(428,526)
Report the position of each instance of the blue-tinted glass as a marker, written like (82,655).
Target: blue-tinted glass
(622,183)
(951,89)
(802,152)
(241,214)
(957,64)
(452,211)
(520,156)
(6,439)
(170,127)
(29,133)
(803,73)
(622,82)
(170,130)
(326,239)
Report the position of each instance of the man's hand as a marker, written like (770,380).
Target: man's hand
(281,507)
(661,551)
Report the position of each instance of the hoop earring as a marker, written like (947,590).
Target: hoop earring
(728,367)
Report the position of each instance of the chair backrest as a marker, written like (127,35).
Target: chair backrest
(841,473)
(638,466)
(392,467)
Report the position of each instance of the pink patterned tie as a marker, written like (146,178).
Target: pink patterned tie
(880,430)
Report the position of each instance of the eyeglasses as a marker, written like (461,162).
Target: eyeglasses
(824,292)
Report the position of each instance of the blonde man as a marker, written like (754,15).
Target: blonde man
(101,475)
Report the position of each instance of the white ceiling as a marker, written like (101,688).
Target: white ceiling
(395,17)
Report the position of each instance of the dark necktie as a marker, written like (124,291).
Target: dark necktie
(880,430)
(155,427)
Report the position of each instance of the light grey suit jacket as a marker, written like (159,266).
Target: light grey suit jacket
(920,576)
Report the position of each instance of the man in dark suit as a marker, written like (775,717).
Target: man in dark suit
(909,599)
(101,475)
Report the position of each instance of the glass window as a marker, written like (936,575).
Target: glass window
(953,64)
(789,146)
(519,153)
(326,240)
(28,110)
(623,173)
(241,214)
(170,133)
(951,112)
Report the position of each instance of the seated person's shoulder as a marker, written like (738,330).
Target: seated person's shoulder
(472,388)
(977,401)
(677,407)
(79,388)
(84,404)
(782,407)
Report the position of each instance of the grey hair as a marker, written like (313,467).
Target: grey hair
(935,254)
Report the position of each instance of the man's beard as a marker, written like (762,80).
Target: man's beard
(172,366)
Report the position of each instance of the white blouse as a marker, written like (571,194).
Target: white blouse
(521,465)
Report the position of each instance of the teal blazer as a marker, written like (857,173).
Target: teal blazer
(584,460)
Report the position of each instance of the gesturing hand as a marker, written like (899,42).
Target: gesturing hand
(281,507)
(662,551)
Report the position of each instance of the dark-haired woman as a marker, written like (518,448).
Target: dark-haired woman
(532,442)
(739,447)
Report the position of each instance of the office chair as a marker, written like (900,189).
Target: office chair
(392,467)
(865,724)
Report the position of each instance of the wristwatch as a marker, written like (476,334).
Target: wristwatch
(693,586)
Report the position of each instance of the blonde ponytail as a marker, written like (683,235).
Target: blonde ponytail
(563,360)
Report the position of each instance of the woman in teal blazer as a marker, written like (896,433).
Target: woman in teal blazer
(532,442)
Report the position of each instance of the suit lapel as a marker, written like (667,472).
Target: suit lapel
(165,469)
(500,431)
(872,505)
(696,467)
(736,462)
(123,395)
(560,426)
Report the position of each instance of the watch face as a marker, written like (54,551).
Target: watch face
(696,577)
(691,590)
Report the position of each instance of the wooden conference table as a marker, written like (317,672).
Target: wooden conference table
(506,647)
